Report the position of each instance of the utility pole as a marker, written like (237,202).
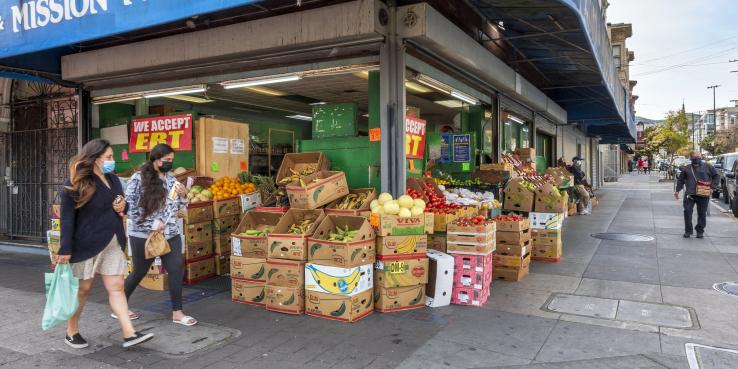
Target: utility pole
(714,109)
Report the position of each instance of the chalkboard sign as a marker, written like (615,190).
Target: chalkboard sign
(462,149)
(334,120)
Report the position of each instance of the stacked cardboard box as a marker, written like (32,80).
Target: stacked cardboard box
(197,250)
(401,270)
(518,197)
(512,261)
(338,277)
(248,257)
(546,234)
(472,248)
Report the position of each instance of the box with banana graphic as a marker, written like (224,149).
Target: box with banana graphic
(546,220)
(289,237)
(338,281)
(356,203)
(285,273)
(317,189)
(248,292)
(393,225)
(249,269)
(341,308)
(393,272)
(342,241)
(402,245)
(399,298)
(250,237)
(285,299)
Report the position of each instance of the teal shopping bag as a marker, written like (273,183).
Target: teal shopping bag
(61,296)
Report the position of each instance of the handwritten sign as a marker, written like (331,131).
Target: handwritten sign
(414,137)
(173,130)
(375,134)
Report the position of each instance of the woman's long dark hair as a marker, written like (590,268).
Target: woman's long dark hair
(153,193)
(81,174)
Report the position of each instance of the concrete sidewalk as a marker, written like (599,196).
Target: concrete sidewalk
(607,304)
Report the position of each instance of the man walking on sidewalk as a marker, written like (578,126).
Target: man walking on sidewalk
(698,179)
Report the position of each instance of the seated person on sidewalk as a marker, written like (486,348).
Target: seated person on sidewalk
(580,185)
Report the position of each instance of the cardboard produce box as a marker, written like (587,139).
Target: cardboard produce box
(513,238)
(247,292)
(248,269)
(511,261)
(253,246)
(155,282)
(285,300)
(511,274)
(392,225)
(338,281)
(477,263)
(518,197)
(360,251)
(550,200)
(223,264)
(299,161)
(197,213)
(514,249)
(480,234)
(525,153)
(441,221)
(194,251)
(389,300)
(361,209)
(222,245)
(155,268)
(469,296)
(320,189)
(198,232)
(547,252)
(250,201)
(341,308)
(471,248)
(285,273)
(561,176)
(440,279)
(473,279)
(199,270)
(226,225)
(401,272)
(227,207)
(403,245)
(546,237)
(437,242)
(513,226)
(285,245)
(546,220)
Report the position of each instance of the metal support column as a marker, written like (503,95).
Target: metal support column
(392,109)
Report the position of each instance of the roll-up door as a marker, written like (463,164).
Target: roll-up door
(516,108)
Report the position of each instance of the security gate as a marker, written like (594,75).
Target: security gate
(41,140)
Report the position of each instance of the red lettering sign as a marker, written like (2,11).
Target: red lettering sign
(173,130)
(414,137)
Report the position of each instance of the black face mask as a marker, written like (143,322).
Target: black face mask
(166,166)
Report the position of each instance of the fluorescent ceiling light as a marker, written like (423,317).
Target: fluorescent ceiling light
(432,83)
(192,99)
(265,91)
(318,103)
(414,86)
(362,74)
(175,92)
(515,119)
(109,100)
(450,103)
(365,115)
(487,114)
(262,81)
(464,97)
(301,117)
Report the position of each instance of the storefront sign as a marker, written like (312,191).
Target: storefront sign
(462,150)
(28,26)
(414,137)
(173,130)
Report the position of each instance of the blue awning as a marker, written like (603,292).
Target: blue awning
(34,35)
(565,45)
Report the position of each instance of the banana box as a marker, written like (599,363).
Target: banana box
(226,225)
(198,232)
(403,245)
(155,282)
(393,225)
(253,246)
(285,245)
(248,269)
(511,261)
(546,236)
(546,220)
(518,196)
(223,264)
(199,270)
(400,272)
(359,251)
(338,281)
(285,300)
(248,292)
(388,300)
(194,251)
(341,308)
(226,207)
(285,273)
(317,190)
(223,244)
(197,213)
(359,208)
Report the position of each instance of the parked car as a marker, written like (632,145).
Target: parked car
(723,165)
(730,188)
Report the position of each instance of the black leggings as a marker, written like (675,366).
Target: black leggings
(172,263)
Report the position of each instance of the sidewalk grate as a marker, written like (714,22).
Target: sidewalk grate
(623,237)
(728,288)
(709,357)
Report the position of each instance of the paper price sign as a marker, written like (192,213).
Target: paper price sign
(414,137)
(173,130)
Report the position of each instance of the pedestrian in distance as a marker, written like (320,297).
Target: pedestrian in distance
(640,165)
(698,179)
(646,166)
(93,236)
(154,198)
(581,185)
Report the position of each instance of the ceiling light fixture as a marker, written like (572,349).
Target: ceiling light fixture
(515,119)
(265,91)
(113,99)
(432,83)
(416,87)
(301,117)
(464,97)
(450,103)
(175,92)
(192,99)
(318,103)
(260,81)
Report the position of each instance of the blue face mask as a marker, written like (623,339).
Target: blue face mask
(696,161)
(108,166)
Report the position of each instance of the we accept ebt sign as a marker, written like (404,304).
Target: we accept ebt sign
(35,25)
(173,130)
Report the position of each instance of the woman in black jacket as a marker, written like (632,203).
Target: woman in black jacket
(93,237)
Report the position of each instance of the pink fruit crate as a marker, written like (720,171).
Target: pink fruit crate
(473,278)
(469,296)
(479,263)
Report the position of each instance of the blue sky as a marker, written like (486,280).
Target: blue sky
(681,47)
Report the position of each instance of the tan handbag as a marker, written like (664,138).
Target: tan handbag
(156,245)
(703,187)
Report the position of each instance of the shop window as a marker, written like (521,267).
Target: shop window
(516,133)
(616,55)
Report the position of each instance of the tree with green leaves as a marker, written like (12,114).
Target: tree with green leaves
(710,144)
(671,135)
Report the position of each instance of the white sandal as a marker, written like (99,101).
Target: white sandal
(131,315)
(186,320)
